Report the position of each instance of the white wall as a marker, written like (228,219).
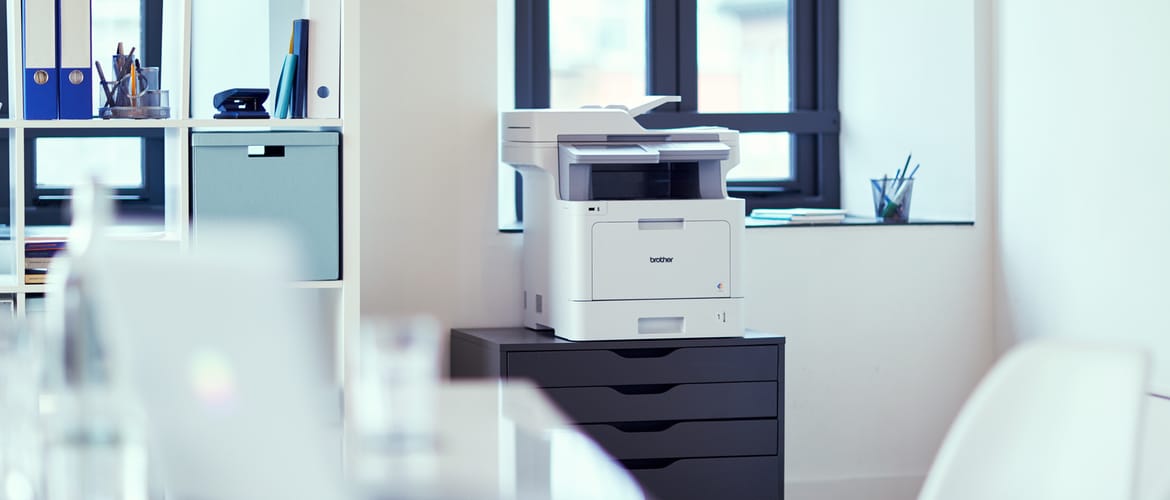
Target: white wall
(429,238)
(888,327)
(254,52)
(1082,133)
(888,330)
(1083,105)
(212,51)
(907,86)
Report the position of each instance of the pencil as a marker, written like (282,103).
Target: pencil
(133,80)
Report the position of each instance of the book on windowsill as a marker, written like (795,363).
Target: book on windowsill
(800,215)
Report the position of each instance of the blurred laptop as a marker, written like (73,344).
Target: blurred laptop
(228,364)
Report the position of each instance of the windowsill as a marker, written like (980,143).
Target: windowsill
(850,221)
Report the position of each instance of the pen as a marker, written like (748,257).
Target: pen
(898,188)
(915,171)
(133,80)
(105,88)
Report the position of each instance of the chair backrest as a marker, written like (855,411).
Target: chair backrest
(1052,420)
(223,357)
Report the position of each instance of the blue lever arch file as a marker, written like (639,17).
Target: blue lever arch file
(40,59)
(74,44)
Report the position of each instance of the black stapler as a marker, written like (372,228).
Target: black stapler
(241,103)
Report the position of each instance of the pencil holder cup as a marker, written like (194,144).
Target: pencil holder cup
(891,199)
(137,95)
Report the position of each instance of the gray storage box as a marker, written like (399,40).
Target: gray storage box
(286,178)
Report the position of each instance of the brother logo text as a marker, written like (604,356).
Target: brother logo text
(657,260)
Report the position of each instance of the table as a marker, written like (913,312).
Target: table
(499,440)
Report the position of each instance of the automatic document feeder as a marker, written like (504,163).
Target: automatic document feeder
(628,232)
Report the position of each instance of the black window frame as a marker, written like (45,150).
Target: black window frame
(48,206)
(672,69)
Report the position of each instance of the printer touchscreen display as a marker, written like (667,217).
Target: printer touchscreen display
(665,181)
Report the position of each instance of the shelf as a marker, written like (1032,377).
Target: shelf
(8,283)
(298,124)
(191,51)
(31,288)
(319,284)
(95,123)
(202,123)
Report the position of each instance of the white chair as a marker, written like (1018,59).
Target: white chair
(1052,420)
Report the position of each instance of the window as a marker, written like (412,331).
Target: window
(120,21)
(767,68)
(66,161)
(131,160)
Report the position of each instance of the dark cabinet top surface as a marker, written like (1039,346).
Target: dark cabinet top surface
(524,339)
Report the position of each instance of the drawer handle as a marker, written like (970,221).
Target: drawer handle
(650,352)
(636,427)
(265,151)
(644,388)
(658,224)
(648,463)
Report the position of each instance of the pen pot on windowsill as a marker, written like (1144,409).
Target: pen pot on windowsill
(891,199)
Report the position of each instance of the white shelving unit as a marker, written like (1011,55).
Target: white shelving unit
(340,298)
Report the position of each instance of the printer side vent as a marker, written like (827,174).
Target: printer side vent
(539,303)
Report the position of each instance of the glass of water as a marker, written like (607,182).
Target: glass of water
(397,381)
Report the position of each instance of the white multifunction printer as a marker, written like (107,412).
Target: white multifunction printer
(628,232)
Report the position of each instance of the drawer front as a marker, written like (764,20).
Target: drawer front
(746,478)
(586,405)
(726,438)
(296,187)
(686,365)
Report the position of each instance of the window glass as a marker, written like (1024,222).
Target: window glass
(598,55)
(115,21)
(743,56)
(4,106)
(65,161)
(763,156)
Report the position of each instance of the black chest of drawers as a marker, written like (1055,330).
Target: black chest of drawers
(690,418)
